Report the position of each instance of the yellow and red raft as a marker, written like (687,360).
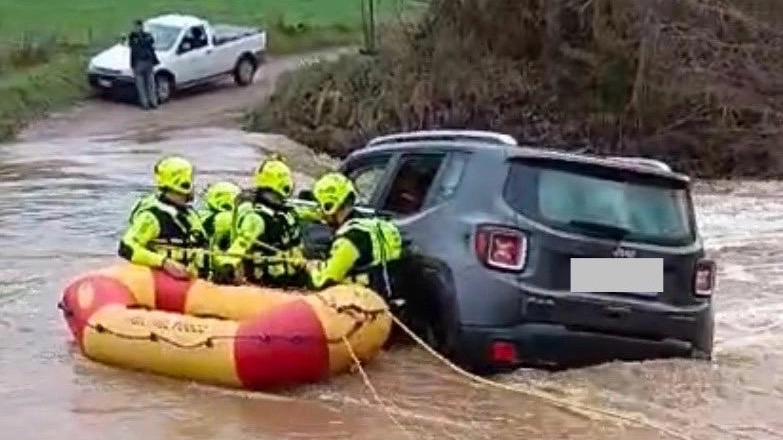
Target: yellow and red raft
(238,336)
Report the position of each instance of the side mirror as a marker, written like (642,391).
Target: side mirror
(306,194)
(184,46)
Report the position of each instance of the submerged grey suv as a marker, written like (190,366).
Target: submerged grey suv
(526,256)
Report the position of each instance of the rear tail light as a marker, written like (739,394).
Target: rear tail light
(501,248)
(704,278)
(503,352)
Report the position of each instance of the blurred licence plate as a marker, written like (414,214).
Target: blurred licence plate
(104,83)
(617,275)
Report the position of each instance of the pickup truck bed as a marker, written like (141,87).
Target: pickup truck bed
(226,33)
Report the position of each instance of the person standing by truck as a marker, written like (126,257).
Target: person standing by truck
(143,61)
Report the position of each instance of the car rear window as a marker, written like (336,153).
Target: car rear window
(602,201)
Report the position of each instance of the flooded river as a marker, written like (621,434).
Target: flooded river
(63,204)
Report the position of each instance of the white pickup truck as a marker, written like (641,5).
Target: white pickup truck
(191,52)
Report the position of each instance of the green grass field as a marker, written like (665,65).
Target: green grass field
(79,21)
(44,44)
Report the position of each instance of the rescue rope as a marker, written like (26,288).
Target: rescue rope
(584,410)
(347,308)
(374,391)
(587,411)
(261,258)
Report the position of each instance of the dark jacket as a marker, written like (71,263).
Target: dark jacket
(142,48)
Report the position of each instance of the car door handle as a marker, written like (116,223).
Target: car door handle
(209,51)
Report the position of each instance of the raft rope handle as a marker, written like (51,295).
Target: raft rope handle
(350,309)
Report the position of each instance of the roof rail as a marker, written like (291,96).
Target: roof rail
(654,163)
(434,135)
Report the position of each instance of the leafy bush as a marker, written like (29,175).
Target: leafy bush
(697,83)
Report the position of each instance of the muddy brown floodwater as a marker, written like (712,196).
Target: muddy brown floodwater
(65,192)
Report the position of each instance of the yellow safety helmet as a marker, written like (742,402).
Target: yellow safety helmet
(331,191)
(273,174)
(221,196)
(174,173)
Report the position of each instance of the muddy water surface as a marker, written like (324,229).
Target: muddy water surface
(63,203)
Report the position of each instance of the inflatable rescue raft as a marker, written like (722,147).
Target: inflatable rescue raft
(246,337)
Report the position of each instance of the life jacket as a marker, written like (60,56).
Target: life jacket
(208,220)
(217,225)
(385,249)
(282,237)
(182,237)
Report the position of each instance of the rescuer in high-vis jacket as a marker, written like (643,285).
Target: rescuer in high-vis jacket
(165,231)
(218,214)
(266,238)
(362,247)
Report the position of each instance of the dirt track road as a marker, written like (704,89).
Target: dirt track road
(215,106)
(65,192)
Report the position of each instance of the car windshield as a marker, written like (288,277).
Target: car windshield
(164,36)
(602,202)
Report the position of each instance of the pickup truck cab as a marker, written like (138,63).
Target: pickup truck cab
(191,52)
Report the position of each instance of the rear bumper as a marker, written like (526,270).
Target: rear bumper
(553,345)
(554,339)
(552,328)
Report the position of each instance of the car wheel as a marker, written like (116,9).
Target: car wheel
(434,336)
(164,87)
(434,322)
(244,72)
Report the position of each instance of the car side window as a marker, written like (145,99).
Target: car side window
(195,38)
(367,176)
(451,177)
(412,182)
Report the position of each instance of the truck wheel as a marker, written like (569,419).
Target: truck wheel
(164,87)
(244,72)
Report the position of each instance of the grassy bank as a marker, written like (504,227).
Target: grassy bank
(32,92)
(695,85)
(44,45)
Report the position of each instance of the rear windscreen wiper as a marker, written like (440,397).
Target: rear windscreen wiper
(611,231)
